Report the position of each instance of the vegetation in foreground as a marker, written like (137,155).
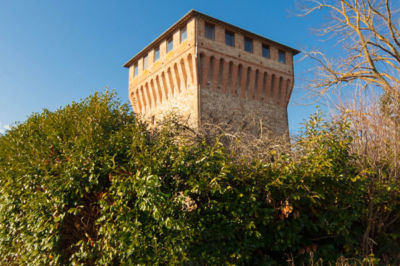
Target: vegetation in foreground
(88,184)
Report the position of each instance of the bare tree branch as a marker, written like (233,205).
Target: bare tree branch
(370,42)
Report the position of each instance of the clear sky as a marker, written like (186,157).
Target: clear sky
(56,52)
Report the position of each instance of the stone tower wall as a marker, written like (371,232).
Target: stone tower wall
(236,85)
(206,80)
(168,84)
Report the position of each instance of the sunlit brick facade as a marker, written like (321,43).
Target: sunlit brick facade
(210,71)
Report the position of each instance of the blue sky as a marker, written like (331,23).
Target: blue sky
(56,52)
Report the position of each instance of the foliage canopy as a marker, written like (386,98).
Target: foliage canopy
(89,184)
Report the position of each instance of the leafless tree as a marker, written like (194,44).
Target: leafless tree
(369,33)
(368,37)
(377,144)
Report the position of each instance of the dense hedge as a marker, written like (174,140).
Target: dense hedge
(87,184)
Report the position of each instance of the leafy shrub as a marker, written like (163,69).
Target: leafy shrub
(89,184)
(54,167)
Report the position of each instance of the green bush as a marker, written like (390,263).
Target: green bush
(53,169)
(88,184)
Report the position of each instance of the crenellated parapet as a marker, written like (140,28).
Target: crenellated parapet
(245,80)
(163,84)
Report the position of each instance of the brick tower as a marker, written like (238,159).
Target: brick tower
(210,71)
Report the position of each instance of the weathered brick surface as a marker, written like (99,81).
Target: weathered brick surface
(218,108)
(208,81)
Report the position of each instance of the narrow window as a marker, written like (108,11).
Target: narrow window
(170,44)
(157,53)
(183,34)
(230,38)
(265,51)
(209,31)
(135,70)
(248,45)
(282,57)
(145,61)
